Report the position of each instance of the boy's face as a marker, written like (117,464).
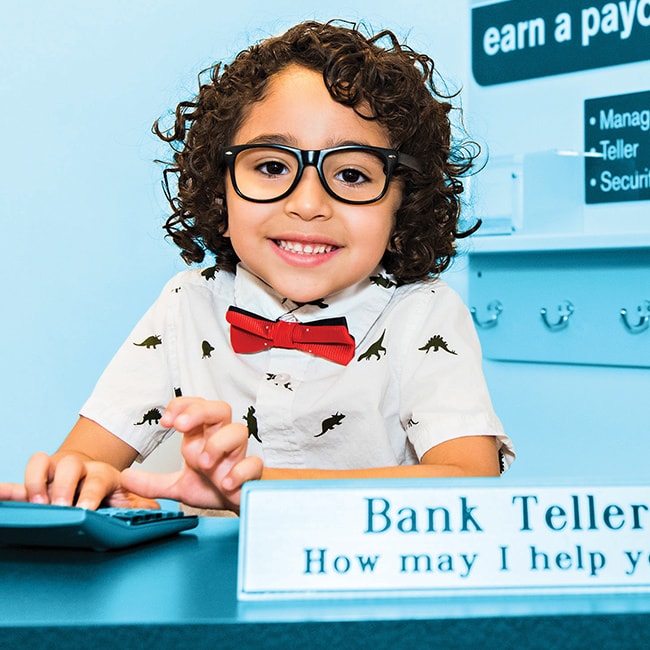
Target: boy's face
(309,245)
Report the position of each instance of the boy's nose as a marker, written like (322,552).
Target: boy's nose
(309,200)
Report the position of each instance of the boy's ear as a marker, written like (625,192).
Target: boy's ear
(393,245)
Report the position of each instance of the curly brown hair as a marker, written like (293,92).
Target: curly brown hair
(393,81)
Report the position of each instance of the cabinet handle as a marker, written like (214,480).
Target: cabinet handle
(565,309)
(644,319)
(495,308)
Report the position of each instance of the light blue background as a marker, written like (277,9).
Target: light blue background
(81,208)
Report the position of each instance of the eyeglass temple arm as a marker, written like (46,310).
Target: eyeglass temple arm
(409,161)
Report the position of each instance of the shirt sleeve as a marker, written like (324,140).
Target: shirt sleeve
(138,383)
(444,392)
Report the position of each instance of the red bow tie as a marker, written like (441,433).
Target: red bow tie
(328,338)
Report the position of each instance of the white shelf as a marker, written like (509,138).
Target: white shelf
(554,242)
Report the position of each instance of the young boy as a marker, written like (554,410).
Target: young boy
(318,169)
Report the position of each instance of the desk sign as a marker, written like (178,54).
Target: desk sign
(440,537)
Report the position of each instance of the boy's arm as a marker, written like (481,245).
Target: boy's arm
(97,443)
(466,456)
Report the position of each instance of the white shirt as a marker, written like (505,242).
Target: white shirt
(415,380)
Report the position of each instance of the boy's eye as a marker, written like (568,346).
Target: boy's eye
(351,176)
(354,168)
(273,168)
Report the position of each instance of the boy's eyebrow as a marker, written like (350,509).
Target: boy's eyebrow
(273,138)
(290,141)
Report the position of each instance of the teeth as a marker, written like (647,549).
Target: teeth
(304,249)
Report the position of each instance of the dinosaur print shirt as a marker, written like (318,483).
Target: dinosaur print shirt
(415,380)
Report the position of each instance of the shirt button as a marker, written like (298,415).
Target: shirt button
(281,380)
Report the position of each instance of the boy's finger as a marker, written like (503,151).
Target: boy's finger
(13,492)
(70,470)
(174,407)
(150,485)
(248,469)
(226,441)
(124,499)
(36,478)
(196,413)
(100,481)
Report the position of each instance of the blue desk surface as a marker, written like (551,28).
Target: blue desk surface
(181,592)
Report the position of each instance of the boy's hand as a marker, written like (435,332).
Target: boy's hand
(214,449)
(72,479)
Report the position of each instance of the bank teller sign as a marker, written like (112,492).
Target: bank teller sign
(440,538)
(617,135)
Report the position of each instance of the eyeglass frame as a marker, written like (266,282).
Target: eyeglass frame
(314,157)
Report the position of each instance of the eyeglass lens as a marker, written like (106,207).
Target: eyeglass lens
(355,175)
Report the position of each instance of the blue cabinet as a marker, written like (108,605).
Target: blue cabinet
(574,300)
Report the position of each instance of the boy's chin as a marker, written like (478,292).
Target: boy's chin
(300,293)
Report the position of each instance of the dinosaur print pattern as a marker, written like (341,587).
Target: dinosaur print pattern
(210,272)
(320,303)
(207,350)
(382,281)
(375,350)
(251,423)
(436,343)
(150,342)
(152,416)
(329,423)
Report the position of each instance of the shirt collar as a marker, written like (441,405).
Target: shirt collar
(361,304)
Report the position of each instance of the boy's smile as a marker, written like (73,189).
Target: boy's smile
(309,244)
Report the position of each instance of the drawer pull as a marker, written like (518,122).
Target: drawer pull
(644,319)
(565,310)
(495,308)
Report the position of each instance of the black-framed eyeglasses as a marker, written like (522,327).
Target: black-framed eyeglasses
(355,174)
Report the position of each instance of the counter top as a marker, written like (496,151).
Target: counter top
(181,592)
